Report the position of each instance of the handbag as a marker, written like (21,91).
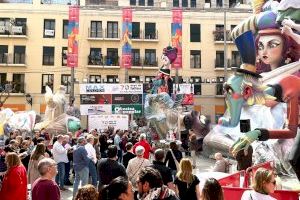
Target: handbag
(175,160)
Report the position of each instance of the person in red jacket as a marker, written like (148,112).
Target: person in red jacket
(143,142)
(14,185)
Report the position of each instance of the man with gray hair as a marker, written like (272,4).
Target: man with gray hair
(144,143)
(44,187)
(136,164)
(81,165)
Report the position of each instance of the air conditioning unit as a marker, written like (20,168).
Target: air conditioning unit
(98,80)
(110,80)
(147,79)
(16,29)
(133,79)
(2,29)
(49,32)
(117,80)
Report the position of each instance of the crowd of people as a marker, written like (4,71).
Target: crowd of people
(104,166)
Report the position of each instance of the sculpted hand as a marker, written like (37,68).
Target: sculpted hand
(244,141)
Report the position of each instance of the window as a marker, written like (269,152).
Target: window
(141,2)
(3,53)
(232,3)
(96,29)
(112,30)
(2,81)
(219,33)
(219,59)
(64,56)
(185,3)
(18,83)
(232,27)
(136,57)
(193,3)
(48,55)
(5,26)
(112,58)
(112,78)
(132,2)
(197,84)
(65,29)
(175,3)
(95,79)
(20,22)
(19,54)
(150,57)
(219,3)
(134,79)
(195,60)
(149,79)
(66,81)
(49,28)
(235,59)
(150,3)
(95,57)
(135,30)
(195,30)
(47,80)
(150,31)
(219,85)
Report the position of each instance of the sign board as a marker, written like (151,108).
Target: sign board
(127,109)
(126,88)
(95,99)
(101,122)
(127,99)
(95,109)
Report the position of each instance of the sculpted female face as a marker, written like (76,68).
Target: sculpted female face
(270,50)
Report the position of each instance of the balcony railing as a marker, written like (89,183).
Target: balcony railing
(112,35)
(219,89)
(101,2)
(61,2)
(17,1)
(95,34)
(95,60)
(13,30)
(151,62)
(9,59)
(13,87)
(219,35)
(146,36)
(220,63)
(235,63)
(137,61)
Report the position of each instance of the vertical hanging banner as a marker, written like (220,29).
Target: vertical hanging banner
(126,38)
(176,31)
(73,30)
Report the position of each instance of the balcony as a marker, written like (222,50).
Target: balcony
(60,2)
(13,87)
(95,35)
(219,64)
(146,37)
(8,59)
(111,35)
(13,31)
(235,63)
(219,90)
(219,36)
(95,60)
(150,62)
(101,2)
(17,1)
(137,62)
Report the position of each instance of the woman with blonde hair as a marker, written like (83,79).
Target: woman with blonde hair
(187,184)
(38,154)
(14,185)
(87,192)
(263,185)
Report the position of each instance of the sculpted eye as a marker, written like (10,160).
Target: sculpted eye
(274,45)
(260,46)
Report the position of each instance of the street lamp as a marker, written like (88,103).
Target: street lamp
(29,99)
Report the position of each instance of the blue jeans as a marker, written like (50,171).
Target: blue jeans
(83,176)
(67,172)
(120,156)
(93,173)
(60,177)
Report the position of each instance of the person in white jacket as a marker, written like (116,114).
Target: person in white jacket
(60,157)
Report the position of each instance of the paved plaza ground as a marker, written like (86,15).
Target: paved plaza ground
(204,165)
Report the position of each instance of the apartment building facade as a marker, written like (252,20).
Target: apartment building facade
(34,39)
